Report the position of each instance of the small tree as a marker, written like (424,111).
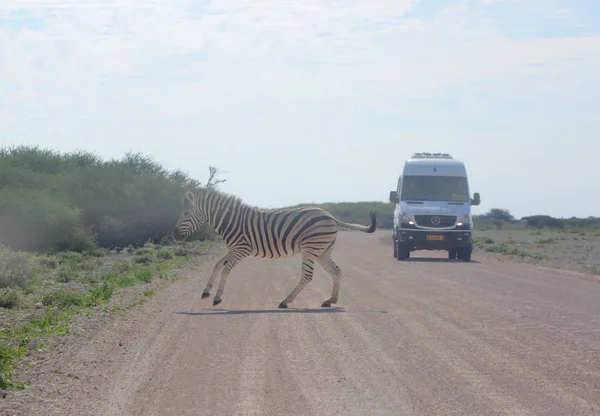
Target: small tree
(212,182)
(499,215)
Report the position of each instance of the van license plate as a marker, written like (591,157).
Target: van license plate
(435,237)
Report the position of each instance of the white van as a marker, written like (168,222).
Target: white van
(433,207)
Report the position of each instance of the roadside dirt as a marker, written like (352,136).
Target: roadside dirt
(566,250)
(426,336)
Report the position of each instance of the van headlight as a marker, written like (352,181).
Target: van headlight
(407,219)
(463,220)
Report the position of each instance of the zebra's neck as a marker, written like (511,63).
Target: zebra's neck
(225,213)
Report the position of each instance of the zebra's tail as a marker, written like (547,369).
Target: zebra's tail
(363,228)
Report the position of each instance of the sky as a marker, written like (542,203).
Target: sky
(306,101)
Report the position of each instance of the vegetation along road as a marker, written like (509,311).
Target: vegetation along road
(427,336)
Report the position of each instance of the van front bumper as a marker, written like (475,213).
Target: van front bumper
(434,240)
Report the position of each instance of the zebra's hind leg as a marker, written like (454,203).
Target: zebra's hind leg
(334,271)
(308,263)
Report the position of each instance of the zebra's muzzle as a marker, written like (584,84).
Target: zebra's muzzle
(177,236)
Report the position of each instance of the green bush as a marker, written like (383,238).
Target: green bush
(16,268)
(181,251)
(54,202)
(70,258)
(11,296)
(48,262)
(144,275)
(165,255)
(35,220)
(63,299)
(119,267)
(143,259)
(96,252)
(101,293)
(65,275)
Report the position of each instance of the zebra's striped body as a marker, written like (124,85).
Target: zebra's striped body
(249,231)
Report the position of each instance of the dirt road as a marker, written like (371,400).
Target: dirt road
(422,337)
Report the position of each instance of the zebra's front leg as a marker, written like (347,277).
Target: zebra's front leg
(233,258)
(308,264)
(216,269)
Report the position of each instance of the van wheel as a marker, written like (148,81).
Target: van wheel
(452,254)
(402,251)
(466,253)
(395,248)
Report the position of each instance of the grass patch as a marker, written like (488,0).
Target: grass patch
(17,268)
(503,248)
(143,259)
(545,241)
(11,297)
(165,255)
(64,299)
(592,270)
(72,282)
(182,252)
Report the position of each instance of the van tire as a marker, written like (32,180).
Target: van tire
(466,253)
(402,251)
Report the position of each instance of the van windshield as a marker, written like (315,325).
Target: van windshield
(435,188)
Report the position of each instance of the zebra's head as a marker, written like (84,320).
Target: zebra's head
(190,219)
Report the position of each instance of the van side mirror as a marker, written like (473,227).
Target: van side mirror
(476,199)
(393,197)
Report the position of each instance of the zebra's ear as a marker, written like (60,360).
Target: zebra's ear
(190,196)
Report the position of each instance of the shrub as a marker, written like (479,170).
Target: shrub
(63,299)
(101,293)
(545,241)
(35,220)
(165,255)
(54,202)
(16,268)
(119,267)
(65,275)
(181,251)
(143,259)
(145,275)
(49,262)
(96,252)
(11,296)
(70,257)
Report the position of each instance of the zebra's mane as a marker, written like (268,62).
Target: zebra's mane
(224,197)
(236,201)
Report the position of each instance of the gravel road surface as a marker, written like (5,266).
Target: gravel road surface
(426,336)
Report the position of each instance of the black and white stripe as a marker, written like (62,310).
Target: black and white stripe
(271,234)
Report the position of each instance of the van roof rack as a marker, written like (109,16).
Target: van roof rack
(428,155)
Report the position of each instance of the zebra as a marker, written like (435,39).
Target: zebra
(270,234)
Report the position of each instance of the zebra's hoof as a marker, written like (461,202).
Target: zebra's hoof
(283,305)
(326,304)
(216,301)
(205,295)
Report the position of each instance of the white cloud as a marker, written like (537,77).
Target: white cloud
(263,74)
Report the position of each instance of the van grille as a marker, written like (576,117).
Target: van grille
(435,221)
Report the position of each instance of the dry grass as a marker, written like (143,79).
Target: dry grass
(570,250)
